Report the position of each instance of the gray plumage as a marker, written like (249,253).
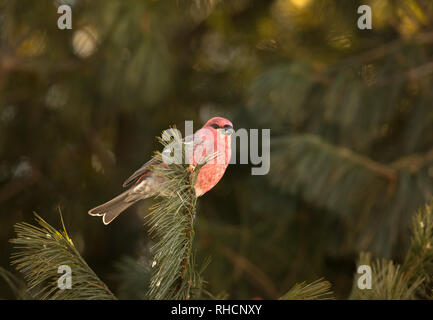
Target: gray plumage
(142,185)
(111,209)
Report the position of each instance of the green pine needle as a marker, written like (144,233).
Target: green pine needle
(40,250)
(419,259)
(171,222)
(17,286)
(133,278)
(317,290)
(388,281)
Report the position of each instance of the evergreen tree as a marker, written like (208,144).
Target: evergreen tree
(41,250)
(351,137)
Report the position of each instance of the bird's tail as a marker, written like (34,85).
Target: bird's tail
(114,207)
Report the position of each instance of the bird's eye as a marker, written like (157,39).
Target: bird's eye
(214,125)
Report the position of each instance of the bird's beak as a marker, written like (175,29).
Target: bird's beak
(228,130)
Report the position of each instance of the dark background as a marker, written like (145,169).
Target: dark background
(350,113)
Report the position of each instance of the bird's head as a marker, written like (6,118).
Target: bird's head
(220,124)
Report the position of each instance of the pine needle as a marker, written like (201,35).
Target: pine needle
(133,278)
(40,251)
(17,286)
(419,259)
(171,223)
(388,281)
(317,290)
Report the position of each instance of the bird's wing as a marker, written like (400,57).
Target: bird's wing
(203,147)
(191,141)
(140,173)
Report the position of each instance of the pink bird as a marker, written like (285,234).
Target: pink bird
(214,138)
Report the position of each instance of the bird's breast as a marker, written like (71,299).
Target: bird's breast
(209,175)
(218,151)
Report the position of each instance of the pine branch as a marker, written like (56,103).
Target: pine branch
(384,50)
(171,222)
(342,181)
(17,286)
(322,172)
(388,281)
(419,259)
(133,277)
(274,89)
(363,100)
(40,250)
(412,280)
(317,290)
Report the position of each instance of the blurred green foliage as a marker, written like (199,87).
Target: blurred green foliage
(350,113)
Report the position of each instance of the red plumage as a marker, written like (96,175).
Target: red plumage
(214,138)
